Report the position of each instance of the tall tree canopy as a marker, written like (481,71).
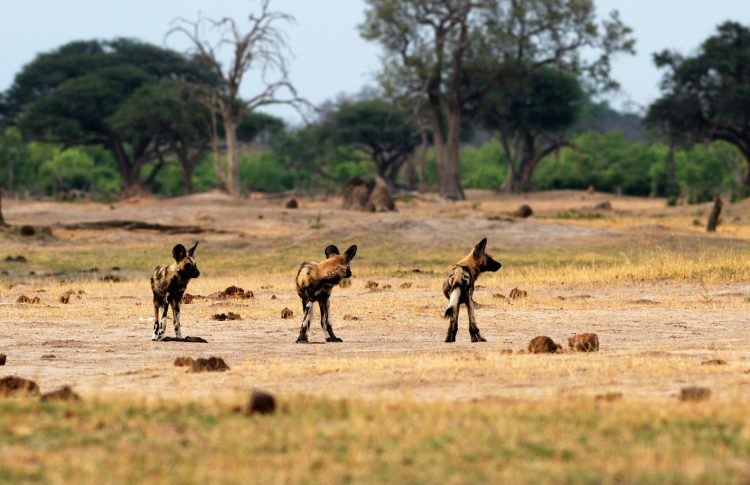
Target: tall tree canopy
(452,52)
(72,96)
(706,96)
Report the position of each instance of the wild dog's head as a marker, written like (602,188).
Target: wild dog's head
(338,264)
(186,266)
(482,260)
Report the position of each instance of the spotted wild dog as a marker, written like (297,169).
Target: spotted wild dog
(168,284)
(459,288)
(314,283)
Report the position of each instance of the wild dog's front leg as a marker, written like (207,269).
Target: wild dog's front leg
(307,308)
(453,326)
(175,303)
(473,329)
(325,322)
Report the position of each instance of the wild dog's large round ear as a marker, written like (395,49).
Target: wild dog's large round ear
(191,251)
(480,247)
(351,252)
(179,252)
(331,250)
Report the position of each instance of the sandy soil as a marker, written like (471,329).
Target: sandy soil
(654,334)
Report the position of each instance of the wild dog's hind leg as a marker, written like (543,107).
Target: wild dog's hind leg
(473,329)
(175,303)
(453,325)
(325,322)
(157,307)
(162,328)
(307,308)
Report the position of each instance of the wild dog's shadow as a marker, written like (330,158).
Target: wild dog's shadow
(191,340)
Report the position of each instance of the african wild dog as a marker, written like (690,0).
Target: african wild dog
(168,283)
(459,288)
(315,282)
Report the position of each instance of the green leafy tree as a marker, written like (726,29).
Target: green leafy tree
(706,96)
(379,129)
(452,52)
(70,96)
(531,112)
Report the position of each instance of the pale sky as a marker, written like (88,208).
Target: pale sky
(329,56)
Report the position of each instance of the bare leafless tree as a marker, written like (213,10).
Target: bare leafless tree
(261,48)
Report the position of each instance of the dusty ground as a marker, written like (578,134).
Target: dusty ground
(661,294)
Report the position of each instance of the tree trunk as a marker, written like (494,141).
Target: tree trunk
(218,169)
(233,158)
(410,171)
(2,220)
(713,218)
(450,182)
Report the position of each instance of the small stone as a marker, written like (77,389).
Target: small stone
(27,231)
(517,293)
(371,285)
(2,359)
(523,211)
(287,313)
(261,402)
(273,297)
(405,285)
(291,203)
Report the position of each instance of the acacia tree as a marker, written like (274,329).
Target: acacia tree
(261,47)
(706,97)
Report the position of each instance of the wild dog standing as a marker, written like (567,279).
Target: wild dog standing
(315,282)
(459,288)
(168,283)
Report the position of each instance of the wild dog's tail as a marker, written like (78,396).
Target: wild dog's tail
(453,302)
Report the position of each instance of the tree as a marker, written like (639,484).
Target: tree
(706,97)
(530,115)
(426,43)
(178,123)
(379,129)
(70,95)
(452,52)
(261,47)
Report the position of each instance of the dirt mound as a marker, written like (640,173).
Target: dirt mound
(65,393)
(609,396)
(65,298)
(543,345)
(369,196)
(23,299)
(695,394)
(231,293)
(517,293)
(184,362)
(212,364)
(371,285)
(714,362)
(16,259)
(221,317)
(523,211)
(584,342)
(261,402)
(18,386)
(291,204)
(287,313)
(2,359)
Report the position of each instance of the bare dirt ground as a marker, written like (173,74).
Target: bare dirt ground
(655,330)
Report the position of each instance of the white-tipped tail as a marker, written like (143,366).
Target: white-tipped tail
(453,302)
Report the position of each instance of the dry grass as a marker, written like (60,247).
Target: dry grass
(662,295)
